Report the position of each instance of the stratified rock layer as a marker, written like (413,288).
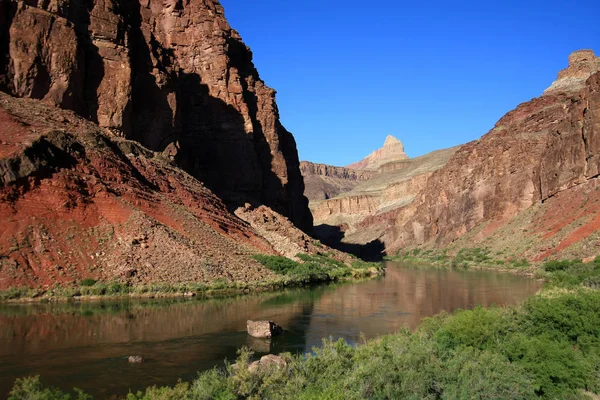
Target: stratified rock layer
(393,186)
(171,75)
(322,181)
(582,64)
(76,203)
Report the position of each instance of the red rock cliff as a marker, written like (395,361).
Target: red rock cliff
(544,147)
(170,74)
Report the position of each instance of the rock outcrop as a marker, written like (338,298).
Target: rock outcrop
(76,203)
(171,75)
(392,150)
(268,362)
(512,183)
(263,329)
(582,65)
(322,181)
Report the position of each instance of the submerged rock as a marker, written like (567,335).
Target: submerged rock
(263,329)
(135,359)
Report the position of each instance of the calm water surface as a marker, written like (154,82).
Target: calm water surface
(87,344)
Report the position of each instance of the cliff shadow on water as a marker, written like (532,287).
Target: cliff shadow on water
(333,236)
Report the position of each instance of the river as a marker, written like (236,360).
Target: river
(86,344)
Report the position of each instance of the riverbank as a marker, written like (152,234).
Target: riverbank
(289,273)
(470,258)
(547,347)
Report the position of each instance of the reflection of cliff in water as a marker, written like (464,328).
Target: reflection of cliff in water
(86,344)
(68,343)
(408,295)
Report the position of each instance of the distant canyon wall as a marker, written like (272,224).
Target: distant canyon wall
(324,181)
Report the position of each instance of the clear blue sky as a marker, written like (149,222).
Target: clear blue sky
(432,73)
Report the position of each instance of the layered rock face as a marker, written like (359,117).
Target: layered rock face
(582,64)
(529,188)
(392,150)
(171,75)
(352,216)
(322,181)
(540,157)
(394,186)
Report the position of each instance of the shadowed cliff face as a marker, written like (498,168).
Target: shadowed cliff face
(322,181)
(172,75)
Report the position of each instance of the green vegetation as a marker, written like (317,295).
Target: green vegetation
(573,273)
(311,269)
(317,268)
(547,348)
(465,258)
(88,282)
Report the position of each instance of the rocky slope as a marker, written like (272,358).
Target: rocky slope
(529,187)
(77,202)
(171,75)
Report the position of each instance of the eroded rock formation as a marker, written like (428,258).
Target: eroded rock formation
(171,75)
(527,189)
(582,64)
(392,150)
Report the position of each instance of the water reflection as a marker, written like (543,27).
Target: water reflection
(86,345)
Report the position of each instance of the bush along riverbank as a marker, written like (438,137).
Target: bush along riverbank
(549,348)
(311,269)
(480,258)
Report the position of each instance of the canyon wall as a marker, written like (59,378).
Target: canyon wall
(77,202)
(544,148)
(392,150)
(346,202)
(171,75)
(322,181)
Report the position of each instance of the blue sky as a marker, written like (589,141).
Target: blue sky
(433,73)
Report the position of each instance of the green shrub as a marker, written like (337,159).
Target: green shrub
(31,389)
(277,264)
(475,374)
(88,282)
(558,265)
(555,368)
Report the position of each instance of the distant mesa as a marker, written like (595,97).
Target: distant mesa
(582,65)
(392,150)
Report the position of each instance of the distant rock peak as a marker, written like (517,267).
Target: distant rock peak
(392,141)
(582,65)
(392,150)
